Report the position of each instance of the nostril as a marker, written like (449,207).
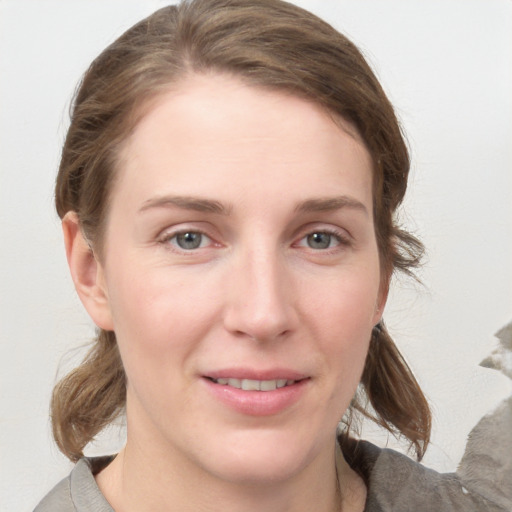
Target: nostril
(261,336)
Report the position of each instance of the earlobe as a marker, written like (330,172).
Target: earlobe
(380,304)
(86,272)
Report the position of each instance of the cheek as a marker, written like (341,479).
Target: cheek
(345,316)
(158,315)
(342,319)
(346,300)
(156,333)
(160,311)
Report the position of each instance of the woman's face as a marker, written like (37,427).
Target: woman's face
(241,277)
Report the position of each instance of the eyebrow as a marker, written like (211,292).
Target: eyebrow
(327,204)
(187,203)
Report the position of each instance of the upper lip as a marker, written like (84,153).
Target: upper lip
(255,374)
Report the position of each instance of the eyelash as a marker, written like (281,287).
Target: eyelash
(341,238)
(169,237)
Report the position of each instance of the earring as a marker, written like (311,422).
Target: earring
(378,328)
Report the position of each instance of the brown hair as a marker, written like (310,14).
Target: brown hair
(267,43)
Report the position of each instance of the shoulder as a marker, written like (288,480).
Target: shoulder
(58,499)
(78,492)
(397,483)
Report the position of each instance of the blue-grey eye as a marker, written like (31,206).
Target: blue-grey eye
(189,240)
(319,240)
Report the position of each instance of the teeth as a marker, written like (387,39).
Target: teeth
(255,385)
(268,385)
(235,383)
(250,385)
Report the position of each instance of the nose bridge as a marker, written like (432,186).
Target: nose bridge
(259,304)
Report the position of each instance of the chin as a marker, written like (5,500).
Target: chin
(260,457)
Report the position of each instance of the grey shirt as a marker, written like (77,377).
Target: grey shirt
(395,484)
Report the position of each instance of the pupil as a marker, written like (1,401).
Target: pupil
(319,240)
(189,240)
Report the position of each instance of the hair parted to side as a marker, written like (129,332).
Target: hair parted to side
(266,43)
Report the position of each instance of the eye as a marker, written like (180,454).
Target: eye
(189,240)
(320,240)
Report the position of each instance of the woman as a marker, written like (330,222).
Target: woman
(227,190)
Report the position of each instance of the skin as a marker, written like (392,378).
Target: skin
(286,275)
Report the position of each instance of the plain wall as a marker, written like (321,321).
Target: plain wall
(447,67)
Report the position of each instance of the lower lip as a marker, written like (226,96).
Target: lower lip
(257,403)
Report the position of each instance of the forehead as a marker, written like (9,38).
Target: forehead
(220,96)
(215,127)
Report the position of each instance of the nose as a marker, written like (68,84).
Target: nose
(260,303)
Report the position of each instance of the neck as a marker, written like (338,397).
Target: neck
(150,475)
(135,481)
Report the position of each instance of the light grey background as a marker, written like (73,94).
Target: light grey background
(447,67)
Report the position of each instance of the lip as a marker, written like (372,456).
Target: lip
(254,374)
(257,403)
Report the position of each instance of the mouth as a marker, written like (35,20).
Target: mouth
(254,385)
(257,393)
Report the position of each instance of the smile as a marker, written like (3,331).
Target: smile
(254,385)
(257,397)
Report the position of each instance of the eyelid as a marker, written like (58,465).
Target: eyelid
(343,237)
(168,234)
(322,227)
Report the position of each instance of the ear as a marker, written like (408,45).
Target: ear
(382,298)
(86,272)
